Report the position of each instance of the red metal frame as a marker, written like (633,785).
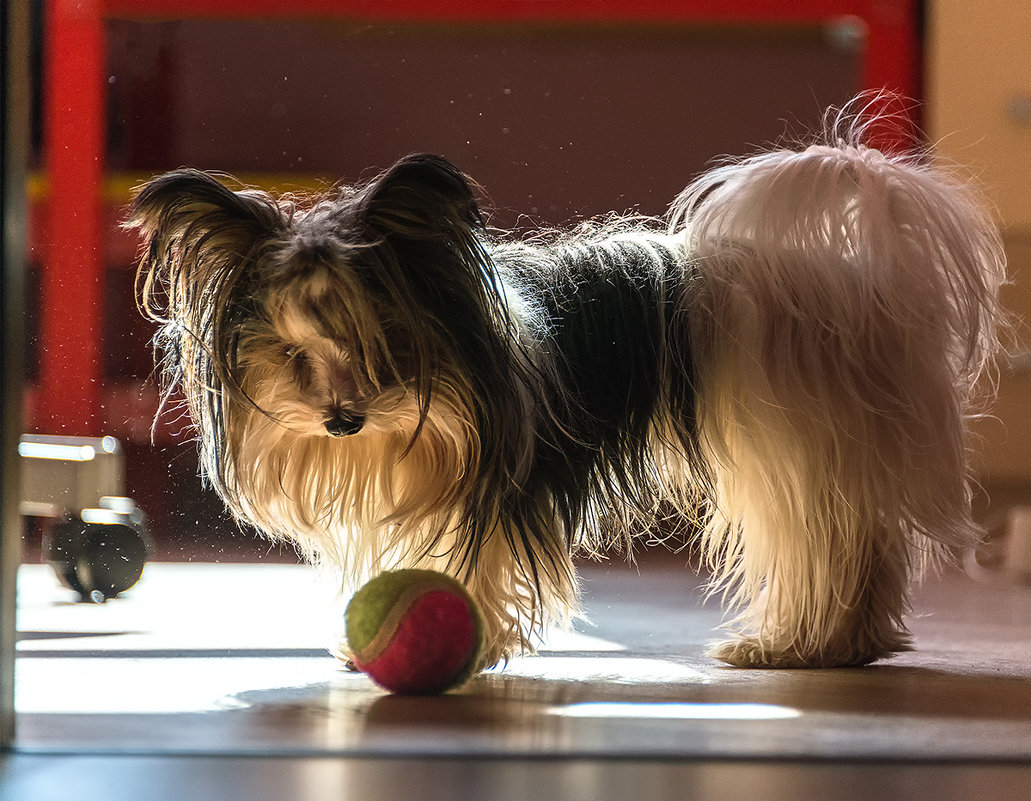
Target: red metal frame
(70,320)
(70,387)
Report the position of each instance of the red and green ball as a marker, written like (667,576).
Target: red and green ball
(415,632)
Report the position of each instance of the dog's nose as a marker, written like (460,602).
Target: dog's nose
(344,424)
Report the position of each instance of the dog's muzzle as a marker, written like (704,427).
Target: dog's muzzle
(344,425)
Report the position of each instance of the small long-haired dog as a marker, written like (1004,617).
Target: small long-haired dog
(788,361)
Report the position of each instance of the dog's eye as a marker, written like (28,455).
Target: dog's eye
(303,371)
(299,362)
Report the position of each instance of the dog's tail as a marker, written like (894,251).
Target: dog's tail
(845,314)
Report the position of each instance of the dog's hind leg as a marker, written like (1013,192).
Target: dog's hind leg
(844,311)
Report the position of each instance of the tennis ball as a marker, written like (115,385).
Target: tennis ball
(415,632)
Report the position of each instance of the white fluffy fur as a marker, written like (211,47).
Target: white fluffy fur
(845,313)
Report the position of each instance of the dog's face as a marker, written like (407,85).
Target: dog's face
(326,349)
(322,353)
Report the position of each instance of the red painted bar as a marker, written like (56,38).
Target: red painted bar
(762,11)
(71,314)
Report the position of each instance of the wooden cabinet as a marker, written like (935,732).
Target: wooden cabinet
(979,96)
(979,116)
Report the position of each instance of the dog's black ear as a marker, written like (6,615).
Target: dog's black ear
(189,207)
(199,236)
(421,196)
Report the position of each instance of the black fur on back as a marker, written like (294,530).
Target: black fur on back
(613,358)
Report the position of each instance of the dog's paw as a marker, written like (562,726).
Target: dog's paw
(751,652)
(748,652)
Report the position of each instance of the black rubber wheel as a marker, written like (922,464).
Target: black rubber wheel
(98,561)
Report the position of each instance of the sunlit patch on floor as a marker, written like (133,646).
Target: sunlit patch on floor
(158,686)
(563,640)
(676,711)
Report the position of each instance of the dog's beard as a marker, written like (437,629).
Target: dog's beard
(360,501)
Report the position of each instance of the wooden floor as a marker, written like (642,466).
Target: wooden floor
(213,682)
